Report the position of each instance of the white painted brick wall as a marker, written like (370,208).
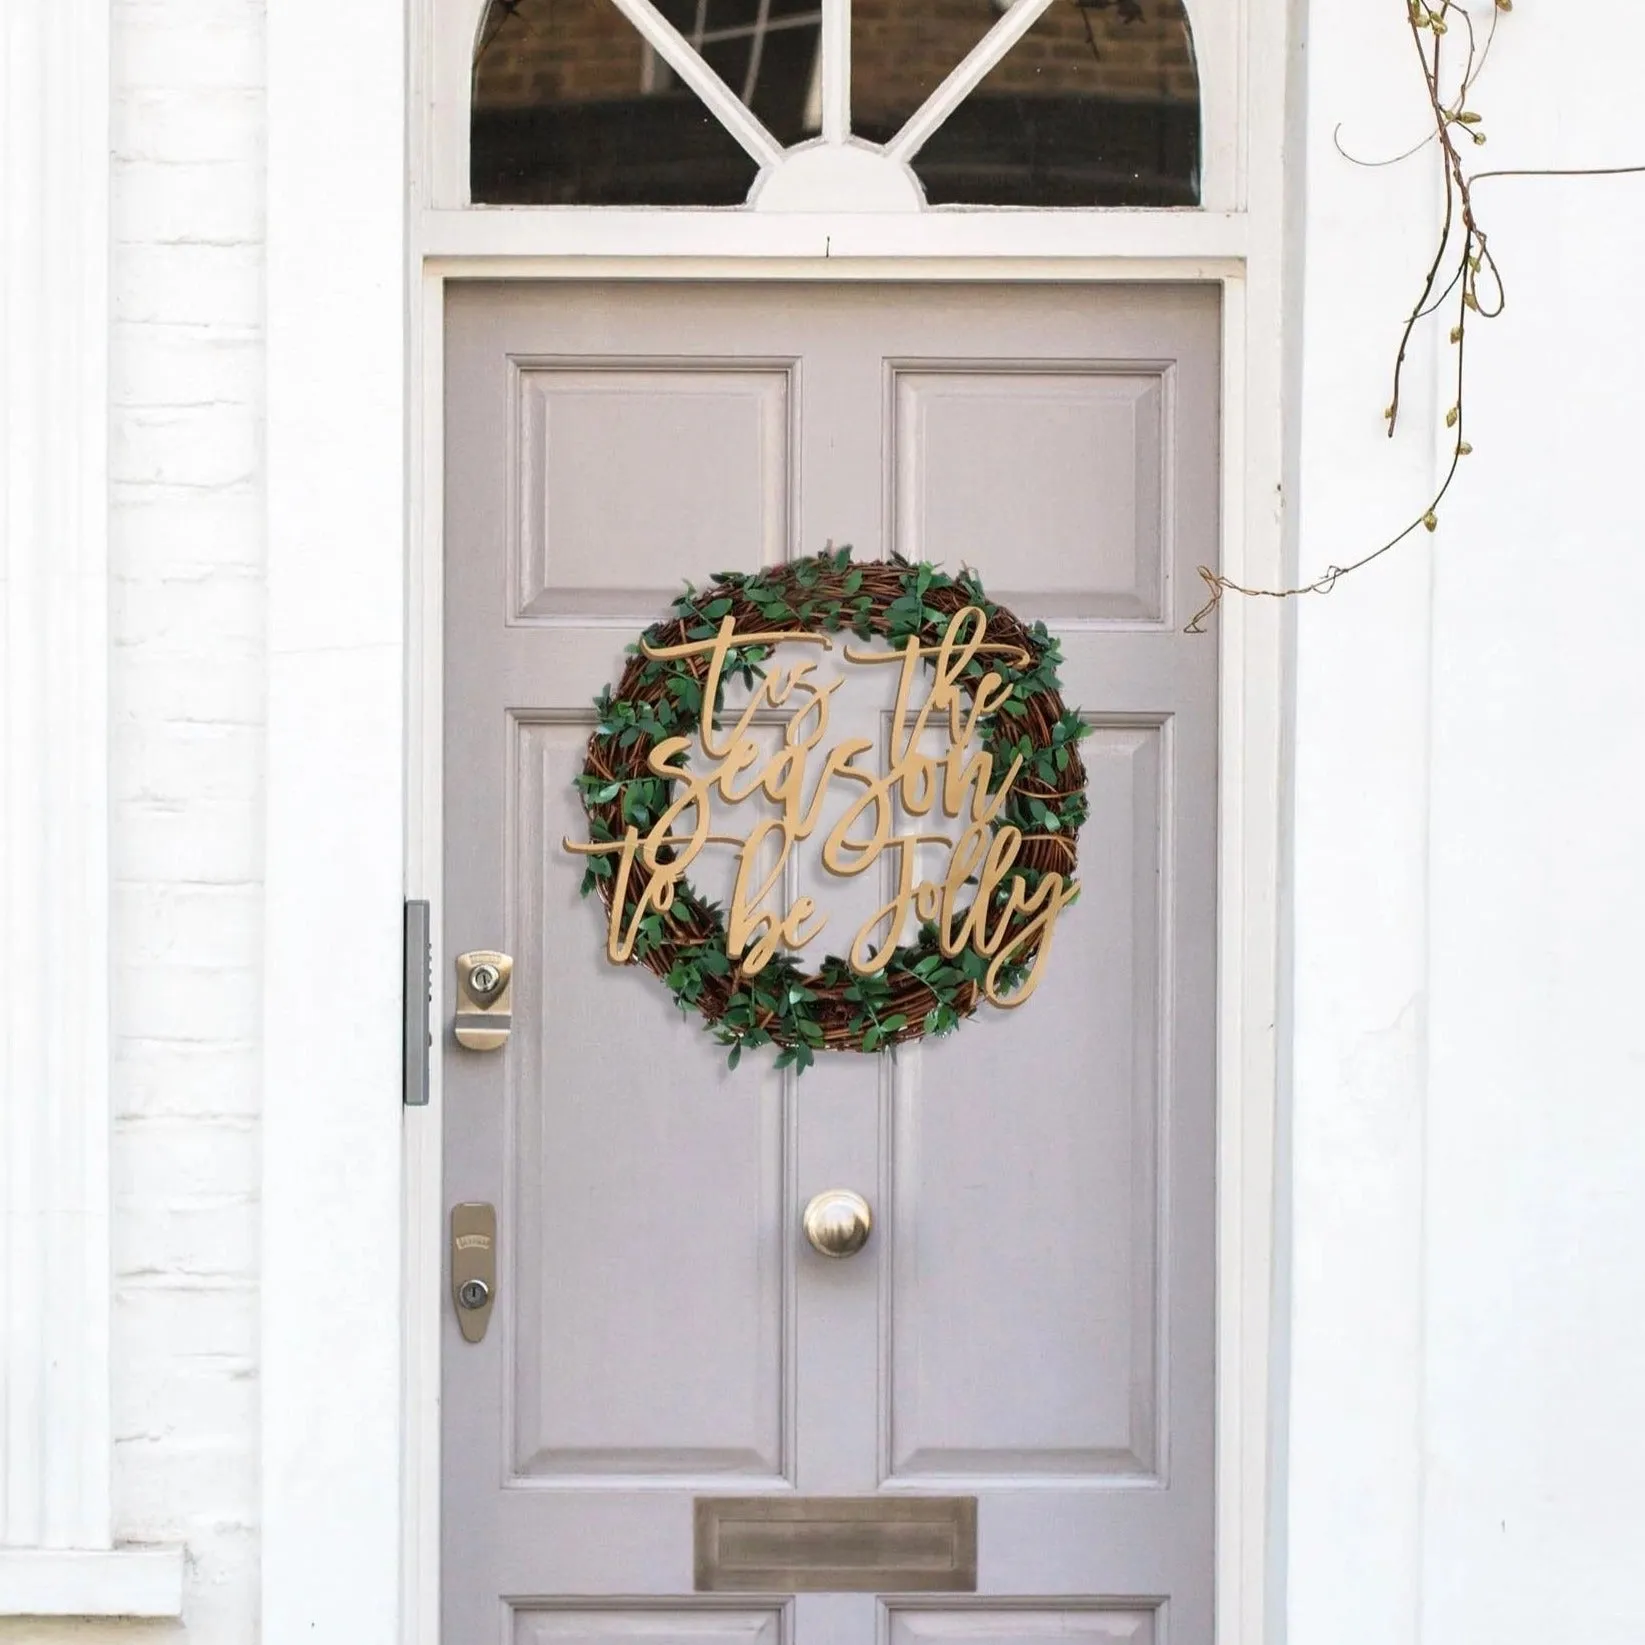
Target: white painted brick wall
(187,681)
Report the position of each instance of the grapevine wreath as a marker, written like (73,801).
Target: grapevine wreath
(921,990)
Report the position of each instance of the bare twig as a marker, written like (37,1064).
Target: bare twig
(1561,171)
(1475,280)
(1373,165)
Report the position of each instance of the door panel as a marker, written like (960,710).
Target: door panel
(1031,1322)
(647,1627)
(712,442)
(645,1252)
(1014,1627)
(1034,1219)
(974,443)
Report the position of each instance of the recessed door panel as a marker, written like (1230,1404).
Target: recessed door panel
(1025,1184)
(625,466)
(1054,473)
(1116,1626)
(647,1627)
(648,1188)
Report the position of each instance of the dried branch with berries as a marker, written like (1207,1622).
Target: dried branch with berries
(1462,283)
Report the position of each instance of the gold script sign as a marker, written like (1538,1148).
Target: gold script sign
(999,923)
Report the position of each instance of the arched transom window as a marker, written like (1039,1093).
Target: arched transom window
(872,104)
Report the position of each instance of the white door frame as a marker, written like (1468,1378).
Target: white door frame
(352,1195)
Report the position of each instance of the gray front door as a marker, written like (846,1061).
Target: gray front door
(1031,1324)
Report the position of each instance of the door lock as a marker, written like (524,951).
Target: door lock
(473,1266)
(485,999)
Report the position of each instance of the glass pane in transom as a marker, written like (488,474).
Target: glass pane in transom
(1096,105)
(572,107)
(766,51)
(902,50)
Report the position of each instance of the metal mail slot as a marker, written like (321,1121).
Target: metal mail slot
(872,1544)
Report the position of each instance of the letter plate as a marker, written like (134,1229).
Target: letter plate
(871,1544)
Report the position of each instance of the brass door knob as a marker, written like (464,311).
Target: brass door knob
(838,1222)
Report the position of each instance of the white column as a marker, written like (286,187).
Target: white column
(331,1130)
(1358,979)
(55,1522)
(54,990)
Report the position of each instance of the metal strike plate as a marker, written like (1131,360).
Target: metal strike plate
(473,1266)
(418,984)
(809,1545)
(485,999)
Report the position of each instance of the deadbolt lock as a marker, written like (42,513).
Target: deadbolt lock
(473,1266)
(485,999)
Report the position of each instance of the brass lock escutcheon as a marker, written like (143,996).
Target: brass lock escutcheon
(473,1266)
(485,999)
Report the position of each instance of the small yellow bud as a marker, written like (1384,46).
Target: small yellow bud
(1504,5)
(1464,449)
(1478,137)
(1431,520)
(1469,118)
(1456,334)
(1388,414)
(1436,23)
(1451,416)
(1471,300)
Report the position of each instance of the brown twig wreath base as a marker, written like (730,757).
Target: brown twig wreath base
(922,990)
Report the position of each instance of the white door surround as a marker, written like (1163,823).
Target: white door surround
(350,1529)
(1248,812)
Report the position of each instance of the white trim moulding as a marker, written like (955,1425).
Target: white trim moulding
(1219,238)
(113,1582)
(54,1001)
(56,1517)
